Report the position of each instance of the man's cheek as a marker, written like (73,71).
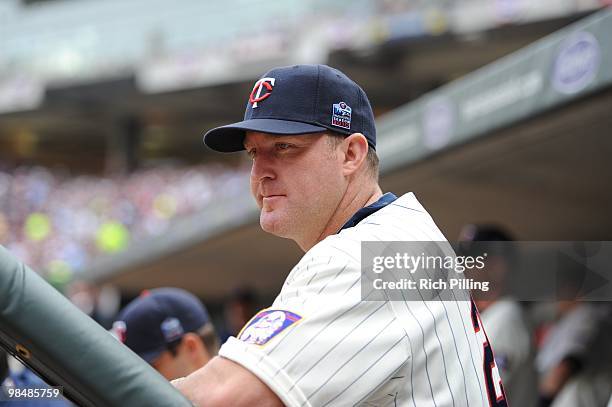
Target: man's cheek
(254,193)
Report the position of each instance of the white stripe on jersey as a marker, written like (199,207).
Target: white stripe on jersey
(345,351)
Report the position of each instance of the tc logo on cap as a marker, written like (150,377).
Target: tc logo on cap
(256,95)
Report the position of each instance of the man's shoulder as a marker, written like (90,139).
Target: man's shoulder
(334,247)
(404,219)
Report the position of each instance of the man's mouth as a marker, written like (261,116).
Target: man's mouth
(270,198)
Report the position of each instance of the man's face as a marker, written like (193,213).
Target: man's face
(297,182)
(172,366)
(189,356)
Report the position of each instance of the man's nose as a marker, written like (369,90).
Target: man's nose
(263,167)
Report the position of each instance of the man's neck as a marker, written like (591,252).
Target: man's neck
(351,203)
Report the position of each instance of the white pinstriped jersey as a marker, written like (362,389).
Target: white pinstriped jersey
(319,344)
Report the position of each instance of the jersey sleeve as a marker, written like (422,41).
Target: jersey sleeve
(320,344)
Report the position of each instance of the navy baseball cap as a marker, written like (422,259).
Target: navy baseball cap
(158,319)
(299,99)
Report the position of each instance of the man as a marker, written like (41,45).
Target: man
(502,315)
(170,329)
(575,360)
(310,132)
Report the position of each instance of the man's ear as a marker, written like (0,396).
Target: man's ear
(193,344)
(355,153)
(189,341)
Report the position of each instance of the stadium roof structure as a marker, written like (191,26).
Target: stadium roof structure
(523,142)
(84,117)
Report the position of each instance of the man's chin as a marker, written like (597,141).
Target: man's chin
(271,223)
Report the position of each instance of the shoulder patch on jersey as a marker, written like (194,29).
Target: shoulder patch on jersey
(266,325)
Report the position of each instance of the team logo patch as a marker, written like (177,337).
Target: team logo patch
(341,115)
(262,90)
(172,329)
(266,325)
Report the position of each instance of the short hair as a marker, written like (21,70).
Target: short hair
(372,161)
(207,335)
(493,239)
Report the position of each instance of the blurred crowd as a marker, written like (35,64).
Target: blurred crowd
(59,223)
(548,353)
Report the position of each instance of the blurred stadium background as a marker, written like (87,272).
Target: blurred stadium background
(491,111)
(104,178)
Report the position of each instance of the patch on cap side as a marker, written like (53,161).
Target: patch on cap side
(172,329)
(266,325)
(341,115)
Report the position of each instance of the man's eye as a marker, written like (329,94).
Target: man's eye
(283,146)
(251,153)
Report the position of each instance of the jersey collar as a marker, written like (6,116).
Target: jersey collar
(363,213)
